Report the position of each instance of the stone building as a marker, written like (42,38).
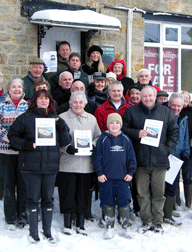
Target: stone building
(153,34)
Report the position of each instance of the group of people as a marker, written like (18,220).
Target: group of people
(114,109)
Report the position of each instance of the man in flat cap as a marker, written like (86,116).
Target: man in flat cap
(36,69)
(162,96)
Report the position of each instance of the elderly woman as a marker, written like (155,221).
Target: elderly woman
(134,94)
(95,63)
(119,68)
(14,187)
(39,164)
(76,171)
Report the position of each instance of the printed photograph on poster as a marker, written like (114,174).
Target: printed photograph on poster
(50,59)
(83,142)
(154,129)
(45,134)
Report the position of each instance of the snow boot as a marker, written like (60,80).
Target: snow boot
(168,208)
(80,225)
(187,193)
(109,220)
(88,215)
(67,224)
(47,213)
(124,220)
(32,216)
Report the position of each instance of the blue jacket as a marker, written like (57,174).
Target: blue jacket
(114,156)
(183,146)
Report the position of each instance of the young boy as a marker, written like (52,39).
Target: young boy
(115,163)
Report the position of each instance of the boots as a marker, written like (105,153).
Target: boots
(32,216)
(109,220)
(124,220)
(88,215)
(47,214)
(80,225)
(187,193)
(67,223)
(168,208)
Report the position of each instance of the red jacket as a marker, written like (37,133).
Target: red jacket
(102,112)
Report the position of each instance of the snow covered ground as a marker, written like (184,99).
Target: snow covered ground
(177,239)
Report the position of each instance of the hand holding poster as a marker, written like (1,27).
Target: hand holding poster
(83,142)
(154,129)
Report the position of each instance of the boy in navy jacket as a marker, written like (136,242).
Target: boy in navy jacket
(115,164)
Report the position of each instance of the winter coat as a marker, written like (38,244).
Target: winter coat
(115,156)
(107,108)
(126,81)
(8,114)
(182,149)
(99,97)
(73,163)
(61,95)
(42,159)
(62,64)
(89,70)
(149,156)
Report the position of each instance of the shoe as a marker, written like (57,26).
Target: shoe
(32,240)
(158,228)
(68,231)
(81,231)
(172,222)
(109,233)
(50,238)
(146,227)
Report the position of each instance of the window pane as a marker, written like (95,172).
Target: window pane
(151,62)
(171,34)
(152,33)
(186,35)
(186,66)
(170,70)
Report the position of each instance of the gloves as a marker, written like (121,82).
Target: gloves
(91,89)
(71,150)
(60,124)
(28,146)
(12,148)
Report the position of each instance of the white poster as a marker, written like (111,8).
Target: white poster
(175,166)
(154,129)
(83,142)
(50,59)
(45,133)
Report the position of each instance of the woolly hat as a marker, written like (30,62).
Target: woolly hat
(111,75)
(114,117)
(162,93)
(135,86)
(37,60)
(94,48)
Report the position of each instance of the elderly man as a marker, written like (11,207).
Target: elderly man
(114,104)
(181,151)
(36,69)
(64,50)
(152,161)
(162,97)
(78,85)
(62,93)
(144,78)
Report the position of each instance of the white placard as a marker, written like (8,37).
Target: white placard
(175,166)
(83,142)
(50,59)
(154,129)
(45,134)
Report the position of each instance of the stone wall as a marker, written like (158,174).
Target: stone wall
(18,38)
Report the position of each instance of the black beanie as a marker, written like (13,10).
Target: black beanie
(93,49)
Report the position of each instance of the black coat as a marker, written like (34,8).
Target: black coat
(42,159)
(127,84)
(148,156)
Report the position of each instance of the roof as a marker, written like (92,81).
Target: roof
(81,19)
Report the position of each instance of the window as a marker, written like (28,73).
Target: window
(168,55)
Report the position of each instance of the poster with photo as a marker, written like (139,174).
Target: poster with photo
(50,59)
(83,142)
(154,129)
(45,132)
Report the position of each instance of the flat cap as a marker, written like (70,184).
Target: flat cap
(37,60)
(99,76)
(162,93)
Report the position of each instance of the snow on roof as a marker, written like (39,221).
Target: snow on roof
(78,19)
